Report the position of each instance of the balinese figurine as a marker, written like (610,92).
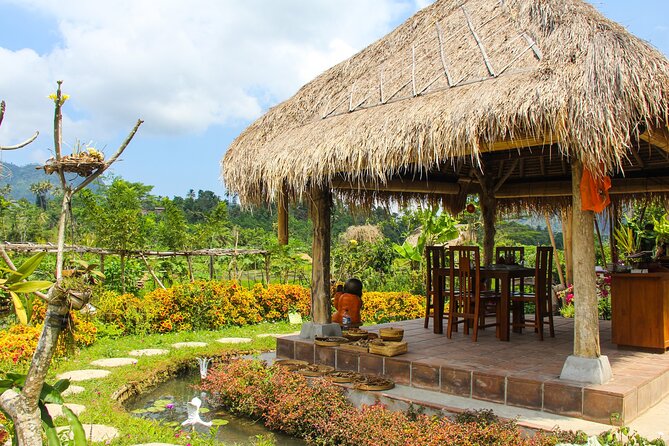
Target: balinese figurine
(348,304)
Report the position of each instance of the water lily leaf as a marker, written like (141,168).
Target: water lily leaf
(138,411)
(172,424)
(219,422)
(204,410)
(155,409)
(162,403)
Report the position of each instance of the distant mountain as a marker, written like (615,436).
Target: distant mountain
(21,177)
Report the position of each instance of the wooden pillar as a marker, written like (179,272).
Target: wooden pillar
(567,241)
(211,268)
(282,216)
(488,203)
(586,315)
(613,224)
(320,209)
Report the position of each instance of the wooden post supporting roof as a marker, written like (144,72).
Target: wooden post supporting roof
(489,214)
(282,215)
(320,207)
(586,314)
(587,363)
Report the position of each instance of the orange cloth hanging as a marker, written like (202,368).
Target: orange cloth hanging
(594,192)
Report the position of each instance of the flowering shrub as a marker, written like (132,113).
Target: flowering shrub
(393,306)
(18,343)
(603,298)
(202,305)
(319,412)
(276,300)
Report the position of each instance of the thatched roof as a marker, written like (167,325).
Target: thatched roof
(455,80)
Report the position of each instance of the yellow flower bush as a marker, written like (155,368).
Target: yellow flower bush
(381,307)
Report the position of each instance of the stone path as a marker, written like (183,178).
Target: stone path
(189,344)
(56,410)
(276,335)
(233,340)
(95,432)
(156,444)
(72,390)
(83,375)
(114,362)
(148,352)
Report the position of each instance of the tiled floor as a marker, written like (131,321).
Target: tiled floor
(523,372)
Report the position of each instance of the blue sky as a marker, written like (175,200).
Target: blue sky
(197,72)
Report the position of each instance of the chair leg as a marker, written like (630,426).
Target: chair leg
(428,305)
(477,308)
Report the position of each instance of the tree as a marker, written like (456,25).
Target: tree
(173,228)
(22,406)
(41,189)
(118,220)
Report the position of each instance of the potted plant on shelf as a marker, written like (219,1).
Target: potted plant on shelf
(661,228)
(78,283)
(628,244)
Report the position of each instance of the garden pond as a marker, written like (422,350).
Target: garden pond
(166,403)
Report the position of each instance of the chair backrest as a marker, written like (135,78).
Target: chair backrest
(465,272)
(435,258)
(543,272)
(510,254)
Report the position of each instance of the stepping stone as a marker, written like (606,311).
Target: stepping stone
(72,390)
(189,344)
(233,340)
(56,410)
(113,362)
(156,444)
(83,375)
(95,432)
(148,352)
(277,335)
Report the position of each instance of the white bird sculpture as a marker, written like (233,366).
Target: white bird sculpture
(204,365)
(193,407)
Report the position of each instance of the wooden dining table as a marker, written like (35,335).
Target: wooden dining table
(502,273)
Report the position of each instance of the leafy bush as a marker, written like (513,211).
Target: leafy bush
(319,412)
(124,313)
(386,307)
(200,305)
(276,300)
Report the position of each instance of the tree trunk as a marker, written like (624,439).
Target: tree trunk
(282,216)
(586,313)
(321,201)
(567,220)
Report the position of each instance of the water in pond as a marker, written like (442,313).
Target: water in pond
(167,403)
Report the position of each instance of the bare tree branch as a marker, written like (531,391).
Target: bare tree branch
(57,132)
(2,111)
(22,144)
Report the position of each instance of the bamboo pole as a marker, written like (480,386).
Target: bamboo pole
(567,238)
(555,250)
(153,274)
(599,237)
(282,216)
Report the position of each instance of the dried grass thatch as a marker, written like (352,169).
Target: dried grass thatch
(456,77)
(361,233)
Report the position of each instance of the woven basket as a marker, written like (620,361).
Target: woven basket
(388,348)
(339,376)
(315,370)
(331,341)
(354,348)
(391,334)
(355,334)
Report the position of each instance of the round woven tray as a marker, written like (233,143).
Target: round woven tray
(314,370)
(291,364)
(354,335)
(374,387)
(340,376)
(331,341)
(391,334)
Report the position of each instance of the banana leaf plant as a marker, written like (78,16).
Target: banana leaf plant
(50,394)
(19,289)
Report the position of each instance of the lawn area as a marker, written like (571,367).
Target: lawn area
(102,409)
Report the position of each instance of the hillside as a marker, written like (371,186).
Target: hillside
(21,177)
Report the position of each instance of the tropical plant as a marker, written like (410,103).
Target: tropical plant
(14,283)
(628,242)
(50,394)
(661,228)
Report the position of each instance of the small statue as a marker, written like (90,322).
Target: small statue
(349,303)
(193,407)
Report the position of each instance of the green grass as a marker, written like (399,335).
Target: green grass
(101,409)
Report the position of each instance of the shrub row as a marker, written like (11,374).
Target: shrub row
(209,305)
(320,412)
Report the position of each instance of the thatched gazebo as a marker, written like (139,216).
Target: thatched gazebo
(508,99)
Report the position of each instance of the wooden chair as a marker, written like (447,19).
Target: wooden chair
(542,298)
(435,258)
(510,255)
(467,306)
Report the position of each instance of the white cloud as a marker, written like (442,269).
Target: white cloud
(181,66)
